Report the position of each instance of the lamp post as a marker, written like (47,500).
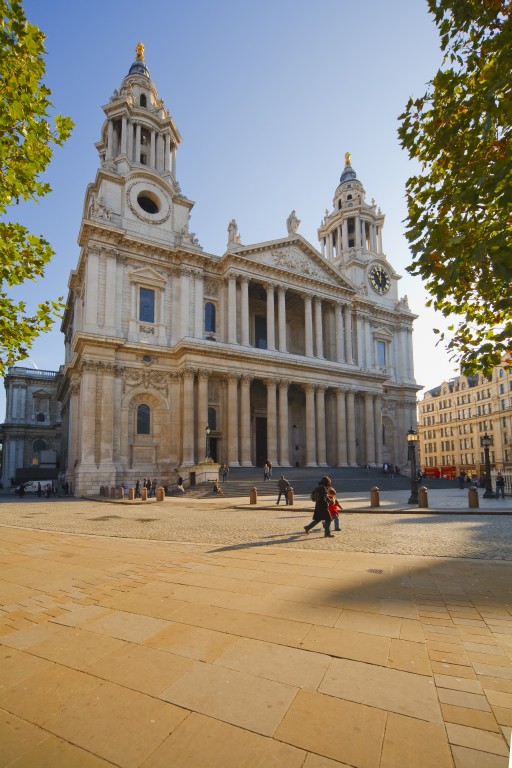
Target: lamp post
(207,432)
(412,439)
(485,442)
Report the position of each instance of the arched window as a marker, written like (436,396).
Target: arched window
(209,317)
(212,418)
(143,419)
(40,416)
(143,100)
(37,447)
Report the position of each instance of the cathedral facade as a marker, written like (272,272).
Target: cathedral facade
(276,350)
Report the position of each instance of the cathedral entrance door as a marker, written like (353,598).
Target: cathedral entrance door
(261,440)
(214,448)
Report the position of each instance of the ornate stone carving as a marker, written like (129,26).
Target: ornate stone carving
(292,223)
(295,261)
(211,288)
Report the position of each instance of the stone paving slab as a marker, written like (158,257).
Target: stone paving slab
(139,653)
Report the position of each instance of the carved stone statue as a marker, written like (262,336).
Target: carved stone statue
(233,236)
(292,223)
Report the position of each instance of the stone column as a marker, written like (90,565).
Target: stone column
(231,309)
(347,326)
(244,299)
(281,293)
(110,140)
(173,161)
(271,331)
(271,420)
(202,414)
(107,414)
(152,150)
(319,340)
(137,143)
(284,442)
(329,246)
(344,227)
(341,428)
(351,429)
(321,441)
(91,294)
(184,303)
(187,411)
(369,345)
(88,413)
(199,306)
(308,326)
(233,421)
(369,422)
(310,426)
(377,411)
(129,139)
(338,328)
(124,136)
(74,404)
(245,421)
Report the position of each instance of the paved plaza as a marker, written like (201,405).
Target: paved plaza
(196,633)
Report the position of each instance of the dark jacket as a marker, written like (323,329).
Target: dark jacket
(321,504)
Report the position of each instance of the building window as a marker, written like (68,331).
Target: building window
(209,317)
(260,332)
(37,447)
(147,305)
(212,418)
(381,354)
(143,100)
(143,419)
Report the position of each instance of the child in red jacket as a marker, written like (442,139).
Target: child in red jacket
(334,508)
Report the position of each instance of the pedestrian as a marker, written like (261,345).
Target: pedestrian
(137,489)
(153,487)
(39,490)
(334,508)
(217,489)
(224,472)
(461,479)
(266,470)
(269,465)
(180,485)
(500,486)
(284,487)
(321,513)
(392,471)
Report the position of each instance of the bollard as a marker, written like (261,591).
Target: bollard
(131,494)
(144,494)
(121,493)
(253,497)
(473,501)
(112,493)
(374,497)
(289,497)
(423,497)
(160,494)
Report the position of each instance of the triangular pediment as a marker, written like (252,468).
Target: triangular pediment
(298,258)
(146,275)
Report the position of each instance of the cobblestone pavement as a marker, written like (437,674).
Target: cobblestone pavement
(233,524)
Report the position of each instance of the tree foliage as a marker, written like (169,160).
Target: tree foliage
(26,139)
(459,221)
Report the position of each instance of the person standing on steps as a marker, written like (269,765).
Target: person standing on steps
(321,513)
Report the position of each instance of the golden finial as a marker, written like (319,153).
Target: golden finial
(139,50)
(347,158)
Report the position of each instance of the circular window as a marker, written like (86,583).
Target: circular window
(148,202)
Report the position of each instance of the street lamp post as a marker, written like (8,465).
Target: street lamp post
(485,442)
(207,450)
(412,439)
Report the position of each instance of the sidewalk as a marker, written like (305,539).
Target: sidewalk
(117,651)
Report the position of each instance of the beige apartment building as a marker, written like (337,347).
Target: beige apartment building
(284,351)
(453,417)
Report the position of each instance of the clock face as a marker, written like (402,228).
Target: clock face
(379,279)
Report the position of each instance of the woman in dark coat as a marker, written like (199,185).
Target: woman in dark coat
(321,513)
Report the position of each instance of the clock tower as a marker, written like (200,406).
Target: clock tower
(351,238)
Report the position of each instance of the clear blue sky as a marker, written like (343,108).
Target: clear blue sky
(268,95)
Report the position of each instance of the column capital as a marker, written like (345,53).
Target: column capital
(309,388)
(283,383)
(321,388)
(203,374)
(270,382)
(233,378)
(246,379)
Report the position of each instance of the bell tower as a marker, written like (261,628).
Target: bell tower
(351,236)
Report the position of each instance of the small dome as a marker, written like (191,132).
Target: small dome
(139,68)
(348,174)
